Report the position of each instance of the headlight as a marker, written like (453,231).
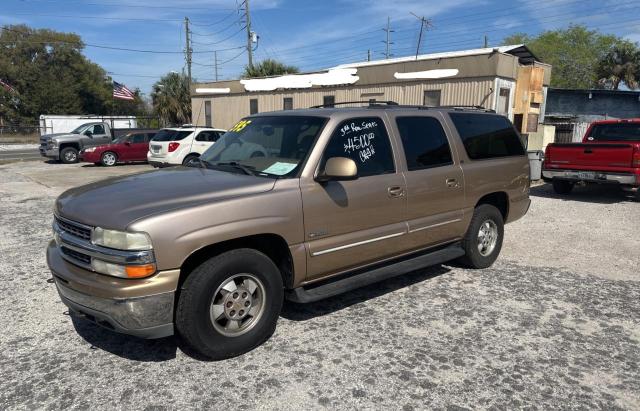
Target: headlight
(121,240)
(53,143)
(123,271)
(89,150)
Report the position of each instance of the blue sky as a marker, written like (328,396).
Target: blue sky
(308,34)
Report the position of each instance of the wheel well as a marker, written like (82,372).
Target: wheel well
(192,155)
(65,145)
(499,200)
(272,245)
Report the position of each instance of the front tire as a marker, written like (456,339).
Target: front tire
(69,155)
(230,304)
(562,186)
(109,159)
(483,241)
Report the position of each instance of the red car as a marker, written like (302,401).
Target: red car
(608,154)
(128,148)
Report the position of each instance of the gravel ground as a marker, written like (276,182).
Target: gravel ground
(554,324)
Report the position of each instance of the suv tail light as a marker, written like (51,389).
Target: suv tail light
(173,147)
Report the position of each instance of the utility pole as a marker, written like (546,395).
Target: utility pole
(369,55)
(486,41)
(388,42)
(215,63)
(424,24)
(247,17)
(187,49)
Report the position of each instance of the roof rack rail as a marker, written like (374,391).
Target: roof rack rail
(463,107)
(370,103)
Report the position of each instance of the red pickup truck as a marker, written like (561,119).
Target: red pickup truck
(609,154)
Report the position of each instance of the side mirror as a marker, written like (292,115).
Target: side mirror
(127,143)
(88,133)
(338,169)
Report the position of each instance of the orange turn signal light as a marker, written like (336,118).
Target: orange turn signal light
(140,271)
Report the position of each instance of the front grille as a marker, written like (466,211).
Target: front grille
(76,255)
(74,229)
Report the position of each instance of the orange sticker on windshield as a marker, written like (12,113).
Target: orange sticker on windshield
(240,125)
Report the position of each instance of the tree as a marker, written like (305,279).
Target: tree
(620,64)
(50,75)
(269,67)
(171,100)
(574,53)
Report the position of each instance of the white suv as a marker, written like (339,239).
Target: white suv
(176,146)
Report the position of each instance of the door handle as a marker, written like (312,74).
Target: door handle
(395,191)
(452,182)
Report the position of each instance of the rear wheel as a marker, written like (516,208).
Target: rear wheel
(230,304)
(562,186)
(109,159)
(69,155)
(483,241)
(188,159)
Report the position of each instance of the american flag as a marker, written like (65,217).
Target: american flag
(122,92)
(7,87)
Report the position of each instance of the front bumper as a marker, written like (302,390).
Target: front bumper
(142,308)
(599,177)
(90,157)
(49,152)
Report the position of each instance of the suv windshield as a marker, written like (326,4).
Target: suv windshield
(171,135)
(268,146)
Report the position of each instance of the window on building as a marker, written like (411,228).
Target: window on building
(532,123)
(253,106)
(328,101)
(487,135)
(425,142)
(287,103)
(364,140)
(432,98)
(207,114)
(503,101)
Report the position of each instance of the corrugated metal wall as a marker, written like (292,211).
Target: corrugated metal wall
(228,109)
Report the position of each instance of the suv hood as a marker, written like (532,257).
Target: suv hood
(118,202)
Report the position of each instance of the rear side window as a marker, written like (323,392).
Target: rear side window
(615,132)
(365,141)
(487,136)
(136,138)
(171,135)
(425,142)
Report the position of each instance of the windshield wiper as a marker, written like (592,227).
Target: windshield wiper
(245,169)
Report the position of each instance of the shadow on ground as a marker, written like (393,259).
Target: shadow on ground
(302,312)
(164,349)
(592,193)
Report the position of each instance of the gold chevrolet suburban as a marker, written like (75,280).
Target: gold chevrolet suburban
(301,204)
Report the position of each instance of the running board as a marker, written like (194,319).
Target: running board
(333,288)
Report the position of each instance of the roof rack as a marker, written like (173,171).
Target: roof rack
(370,103)
(463,107)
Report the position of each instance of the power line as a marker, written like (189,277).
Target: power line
(127,5)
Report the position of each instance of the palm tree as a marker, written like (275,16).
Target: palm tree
(269,67)
(620,64)
(171,99)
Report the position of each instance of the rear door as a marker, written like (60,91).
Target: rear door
(203,141)
(353,223)
(137,150)
(434,178)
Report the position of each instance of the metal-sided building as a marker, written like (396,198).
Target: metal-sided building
(508,79)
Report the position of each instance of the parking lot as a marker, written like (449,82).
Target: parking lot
(555,323)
